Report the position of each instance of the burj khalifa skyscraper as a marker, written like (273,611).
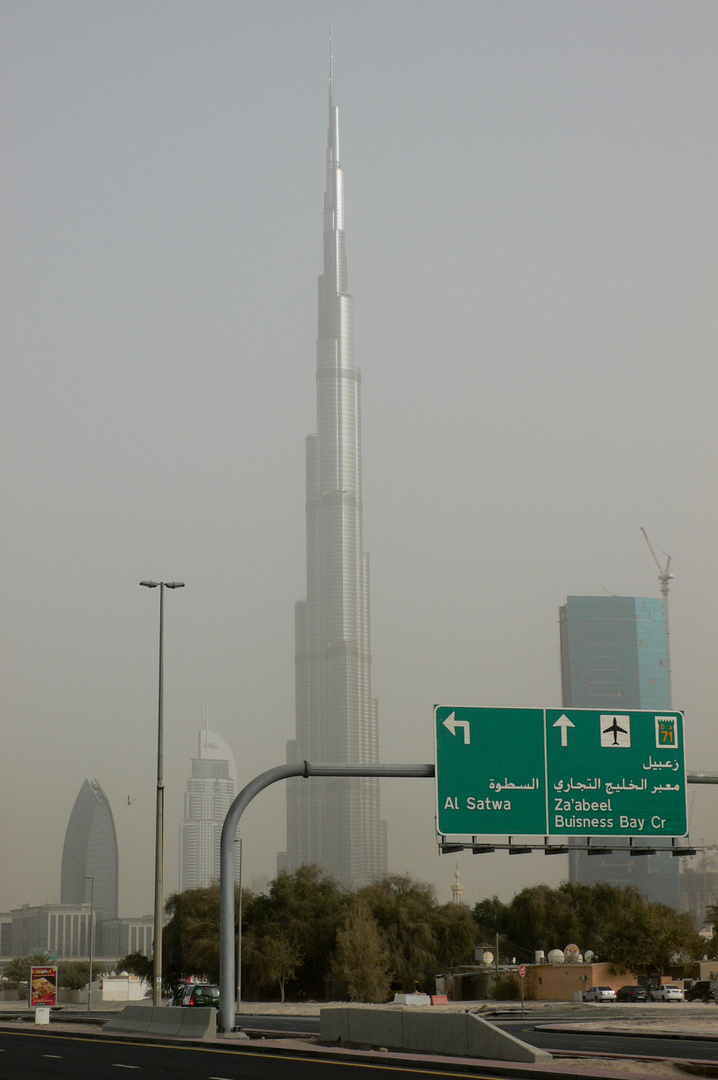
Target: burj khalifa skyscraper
(335,822)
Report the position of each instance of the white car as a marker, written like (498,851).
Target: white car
(667,992)
(600,993)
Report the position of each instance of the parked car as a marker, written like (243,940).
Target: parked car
(600,993)
(667,992)
(700,991)
(199,994)
(632,993)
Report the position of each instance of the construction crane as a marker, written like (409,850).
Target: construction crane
(665,576)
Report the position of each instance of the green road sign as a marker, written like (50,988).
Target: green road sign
(559,772)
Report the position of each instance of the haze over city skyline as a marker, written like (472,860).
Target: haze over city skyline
(531,206)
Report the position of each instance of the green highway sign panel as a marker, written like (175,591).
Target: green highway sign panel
(559,772)
(479,753)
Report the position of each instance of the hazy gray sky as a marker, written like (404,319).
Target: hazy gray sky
(531,234)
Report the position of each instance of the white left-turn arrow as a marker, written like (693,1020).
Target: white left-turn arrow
(451,724)
(564,723)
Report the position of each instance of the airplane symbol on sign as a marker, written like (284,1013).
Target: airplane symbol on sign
(614,734)
(614,728)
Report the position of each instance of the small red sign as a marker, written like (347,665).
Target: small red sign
(522,970)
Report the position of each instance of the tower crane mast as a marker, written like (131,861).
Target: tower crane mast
(665,576)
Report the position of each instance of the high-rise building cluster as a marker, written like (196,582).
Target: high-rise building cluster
(614,655)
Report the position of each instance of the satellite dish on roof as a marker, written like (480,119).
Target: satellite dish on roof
(589,955)
(555,957)
(571,954)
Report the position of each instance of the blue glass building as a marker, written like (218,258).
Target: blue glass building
(614,655)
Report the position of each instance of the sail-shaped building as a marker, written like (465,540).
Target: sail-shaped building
(335,822)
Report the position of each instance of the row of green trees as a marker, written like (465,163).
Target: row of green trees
(617,924)
(72,974)
(308,933)
(309,936)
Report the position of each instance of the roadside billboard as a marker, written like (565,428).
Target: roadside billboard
(43,987)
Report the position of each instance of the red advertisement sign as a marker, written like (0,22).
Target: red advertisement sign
(43,986)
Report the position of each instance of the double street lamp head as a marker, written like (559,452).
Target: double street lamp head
(166,584)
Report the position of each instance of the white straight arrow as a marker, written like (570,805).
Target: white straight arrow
(451,724)
(564,723)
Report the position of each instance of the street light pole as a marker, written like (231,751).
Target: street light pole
(160,808)
(91,879)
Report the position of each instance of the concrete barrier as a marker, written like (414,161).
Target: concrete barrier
(485,1040)
(363,1027)
(132,1018)
(166,1021)
(426,1031)
(198,1023)
(436,1032)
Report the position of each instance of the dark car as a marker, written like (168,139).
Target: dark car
(700,991)
(198,994)
(632,993)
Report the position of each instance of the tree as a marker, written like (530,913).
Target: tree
(651,937)
(490,915)
(73,974)
(282,957)
(402,908)
(308,907)
(137,964)
(18,969)
(361,960)
(539,917)
(712,918)
(191,936)
(456,935)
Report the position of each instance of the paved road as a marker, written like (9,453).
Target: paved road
(28,1056)
(607,1042)
(64,1054)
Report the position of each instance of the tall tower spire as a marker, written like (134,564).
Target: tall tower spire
(335,822)
(331,67)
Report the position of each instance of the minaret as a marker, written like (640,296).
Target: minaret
(457,889)
(335,822)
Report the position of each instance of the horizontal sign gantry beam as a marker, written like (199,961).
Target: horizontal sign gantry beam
(449,847)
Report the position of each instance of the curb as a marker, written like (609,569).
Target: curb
(622,1033)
